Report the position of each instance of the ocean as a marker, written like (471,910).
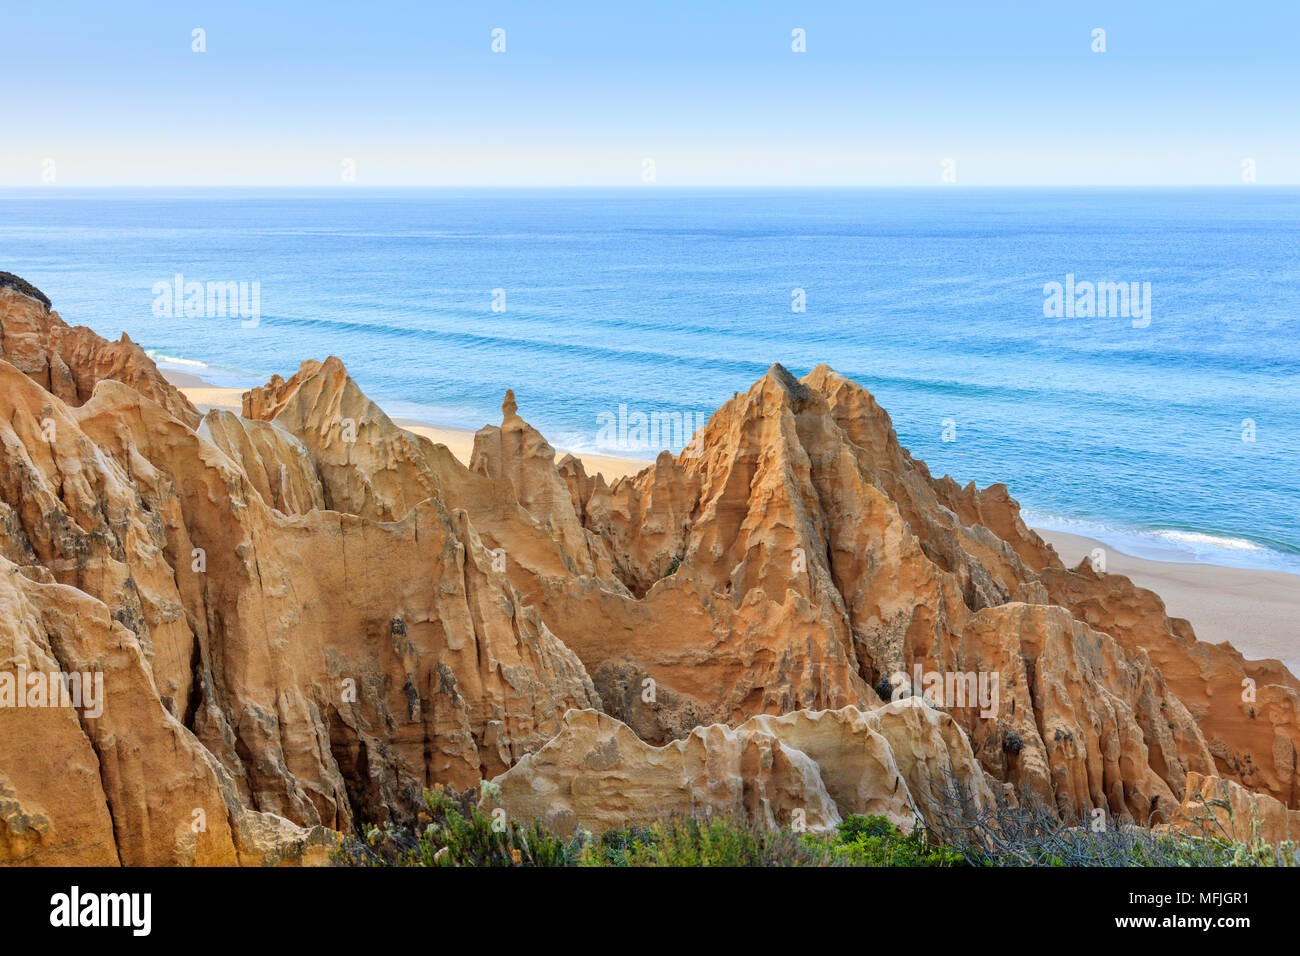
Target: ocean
(1164,420)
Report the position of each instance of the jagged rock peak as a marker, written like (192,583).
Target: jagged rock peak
(781,376)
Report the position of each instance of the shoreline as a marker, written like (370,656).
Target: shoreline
(1252,609)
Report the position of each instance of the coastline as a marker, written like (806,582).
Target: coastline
(1254,610)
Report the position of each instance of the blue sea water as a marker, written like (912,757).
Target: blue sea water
(674,299)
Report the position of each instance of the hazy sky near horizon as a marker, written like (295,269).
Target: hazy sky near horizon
(297,93)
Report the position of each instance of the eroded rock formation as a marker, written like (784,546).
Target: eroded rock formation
(69,362)
(326,664)
(304,615)
(821,765)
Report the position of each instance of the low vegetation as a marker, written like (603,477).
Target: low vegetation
(453,831)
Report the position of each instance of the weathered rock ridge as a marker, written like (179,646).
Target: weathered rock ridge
(804,769)
(304,615)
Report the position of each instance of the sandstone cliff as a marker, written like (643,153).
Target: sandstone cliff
(305,615)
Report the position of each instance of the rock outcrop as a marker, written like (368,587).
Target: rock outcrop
(1224,809)
(899,760)
(803,769)
(800,496)
(329,665)
(130,784)
(596,774)
(69,362)
(304,615)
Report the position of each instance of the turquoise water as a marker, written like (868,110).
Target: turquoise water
(666,300)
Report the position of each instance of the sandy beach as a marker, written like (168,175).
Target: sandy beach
(1258,612)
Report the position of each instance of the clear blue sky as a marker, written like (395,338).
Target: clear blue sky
(412,93)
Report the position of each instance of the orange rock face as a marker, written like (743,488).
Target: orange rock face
(803,498)
(69,362)
(316,665)
(304,615)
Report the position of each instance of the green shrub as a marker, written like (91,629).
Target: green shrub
(452,831)
(708,841)
(874,841)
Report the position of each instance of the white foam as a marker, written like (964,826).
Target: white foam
(1167,544)
(1195,540)
(161,359)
